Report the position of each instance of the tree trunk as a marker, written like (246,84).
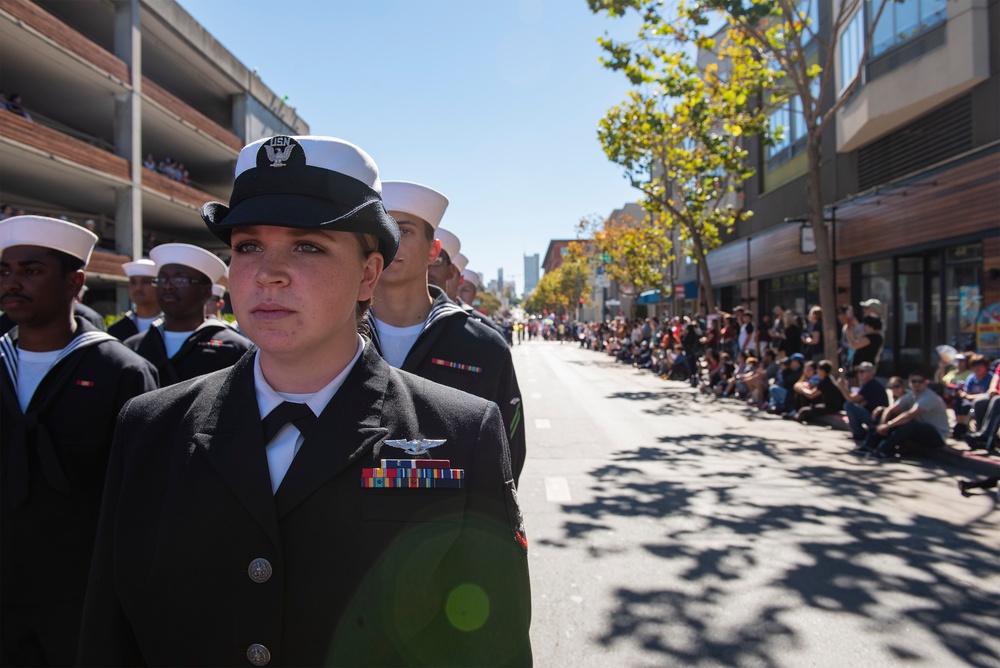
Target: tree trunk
(824,252)
(706,279)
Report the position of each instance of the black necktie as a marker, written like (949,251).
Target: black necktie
(298,414)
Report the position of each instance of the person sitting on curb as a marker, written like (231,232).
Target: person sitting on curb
(975,388)
(802,390)
(825,398)
(923,426)
(860,404)
(781,396)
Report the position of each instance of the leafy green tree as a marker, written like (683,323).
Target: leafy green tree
(798,54)
(488,303)
(634,254)
(559,290)
(679,137)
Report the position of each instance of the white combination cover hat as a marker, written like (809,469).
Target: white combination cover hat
(142,267)
(417,200)
(189,256)
(472,277)
(460,262)
(305,182)
(449,243)
(46,232)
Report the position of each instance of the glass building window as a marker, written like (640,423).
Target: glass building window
(852,49)
(903,20)
(963,294)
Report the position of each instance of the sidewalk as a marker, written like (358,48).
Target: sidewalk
(954,452)
(976,463)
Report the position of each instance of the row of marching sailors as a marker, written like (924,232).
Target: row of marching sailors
(65,381)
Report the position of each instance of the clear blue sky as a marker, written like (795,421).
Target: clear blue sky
(493,102)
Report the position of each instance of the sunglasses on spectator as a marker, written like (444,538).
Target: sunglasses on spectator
(917,381)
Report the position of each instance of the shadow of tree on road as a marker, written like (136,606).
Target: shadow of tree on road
(815,546)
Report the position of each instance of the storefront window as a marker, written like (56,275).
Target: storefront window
(876,283)
(963,300)
(797,292)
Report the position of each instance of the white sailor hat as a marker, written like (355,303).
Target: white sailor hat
(461,262)
(189,256)
(306,182)
(472,277)
(219,287)
(449,243)
(140,268)
(417,200)
(46,232)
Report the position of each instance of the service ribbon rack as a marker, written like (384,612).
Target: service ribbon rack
(413,473)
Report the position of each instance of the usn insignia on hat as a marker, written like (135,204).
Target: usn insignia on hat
(279,151)
(416,447)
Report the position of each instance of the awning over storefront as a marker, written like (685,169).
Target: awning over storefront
(649,297)
(687,290)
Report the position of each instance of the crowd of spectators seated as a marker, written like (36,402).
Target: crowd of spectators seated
(775,364)
(169,167)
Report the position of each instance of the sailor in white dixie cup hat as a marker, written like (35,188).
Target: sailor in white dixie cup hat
(442,272)
(185,343)
(62,384)
(468,289)
(141,275)
(227,538)
(471,292)
(451,285)
(217,301)
(418,329)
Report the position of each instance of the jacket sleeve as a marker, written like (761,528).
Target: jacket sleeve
(106,637)
(512,408)
(487,594)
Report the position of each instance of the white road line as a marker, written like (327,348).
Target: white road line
(541,423)
(557,490)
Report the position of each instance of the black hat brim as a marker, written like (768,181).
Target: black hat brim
(305,212)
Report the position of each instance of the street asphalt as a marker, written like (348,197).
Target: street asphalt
(669,529)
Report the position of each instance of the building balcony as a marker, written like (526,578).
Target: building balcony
(917,77)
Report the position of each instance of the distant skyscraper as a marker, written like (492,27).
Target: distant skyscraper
(500,278)
(530,273)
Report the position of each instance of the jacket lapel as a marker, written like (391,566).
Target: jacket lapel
(234,445)
(441,308)
(348,428)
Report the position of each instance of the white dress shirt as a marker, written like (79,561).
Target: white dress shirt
(286,443)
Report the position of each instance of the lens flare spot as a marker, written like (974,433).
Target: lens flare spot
(468,607)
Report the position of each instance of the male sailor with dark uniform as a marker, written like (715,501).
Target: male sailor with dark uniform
(141,276)
(418,329)
(185,343)
(62,384)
